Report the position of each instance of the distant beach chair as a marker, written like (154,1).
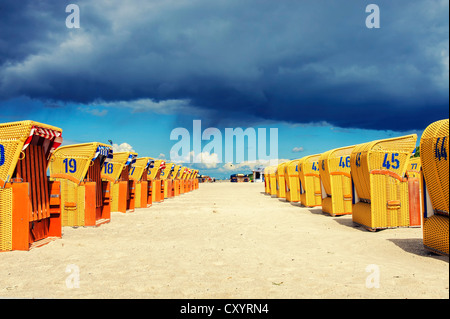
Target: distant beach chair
(273,180)
(184,180)
(266,180)
(195,178)
(182,176)
(117,171)
(281,181)
(292,181)
(335,175)
(381,189)
(176,180)
(189,179)
(139,173)
(85,197)
(310,186)
(30,214)
(166,180)
(434,152)
(155,177)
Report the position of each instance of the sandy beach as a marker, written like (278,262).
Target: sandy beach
(227,240)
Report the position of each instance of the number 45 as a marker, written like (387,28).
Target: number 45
(394,163)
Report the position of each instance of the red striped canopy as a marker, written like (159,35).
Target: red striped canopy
(51,135)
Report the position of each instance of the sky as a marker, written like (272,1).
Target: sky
(136,70)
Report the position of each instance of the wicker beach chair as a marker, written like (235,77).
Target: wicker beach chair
(195,179)
(334,169)
(117,171)
(155,177)
(139,173)
(281,181)
(30,214)
(266,181)
(434,152)
(381,189)
(273,180)
(176,180)
(292,181)
(85,196)
(309,177)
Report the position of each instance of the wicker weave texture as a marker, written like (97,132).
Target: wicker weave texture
(6,219)
(435,234)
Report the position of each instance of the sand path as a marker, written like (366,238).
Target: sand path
(227,241)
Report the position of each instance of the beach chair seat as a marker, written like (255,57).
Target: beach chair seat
(30,212)
(381,188)
(335,175)
(309,179)
(122,192)
(434,152)
(78,168)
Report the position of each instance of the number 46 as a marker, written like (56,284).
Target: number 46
(394,163)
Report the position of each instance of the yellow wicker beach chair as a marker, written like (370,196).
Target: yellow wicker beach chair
(273,180)
(266,181)
(191,179)
(334,169)
(84,196)
(117,171)
(30,214)
(434,152)
(176,180)
(281,181)
(155,177)
(139,173)
(188,180)
(185,179)
(165,179)
(414,168)
(195,179)
(292,181)
(381,191)
(181,176)
(309,177)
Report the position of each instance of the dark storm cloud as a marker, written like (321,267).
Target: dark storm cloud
(292,61)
